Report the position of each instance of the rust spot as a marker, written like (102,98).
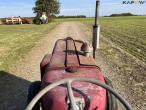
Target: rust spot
(72,69)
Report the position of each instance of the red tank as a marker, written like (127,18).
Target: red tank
(67,61)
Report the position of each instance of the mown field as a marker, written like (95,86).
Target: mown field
(17,40)
(128,33)
(123,49)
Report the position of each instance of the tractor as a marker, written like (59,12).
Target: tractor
(71,79)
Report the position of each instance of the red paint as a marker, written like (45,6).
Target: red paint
(58,95)
(56,99)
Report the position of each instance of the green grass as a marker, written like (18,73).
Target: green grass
(17,40)
(128,33)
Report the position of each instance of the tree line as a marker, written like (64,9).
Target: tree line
(121,14)
(77,16)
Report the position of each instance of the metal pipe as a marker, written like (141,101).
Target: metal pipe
(71,97)
(97,13)
(96,30)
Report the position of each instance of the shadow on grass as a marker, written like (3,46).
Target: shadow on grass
(13,92)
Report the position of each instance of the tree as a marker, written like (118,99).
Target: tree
(50,7)
(122,14)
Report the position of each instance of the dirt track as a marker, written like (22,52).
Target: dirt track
(14,85)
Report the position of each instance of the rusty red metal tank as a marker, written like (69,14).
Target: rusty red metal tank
(66,61)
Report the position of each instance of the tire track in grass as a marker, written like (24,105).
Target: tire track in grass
(127,42)
(126,71)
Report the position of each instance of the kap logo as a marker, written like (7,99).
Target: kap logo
(134,2)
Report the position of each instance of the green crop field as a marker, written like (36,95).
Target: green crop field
(128,33)
(16,40)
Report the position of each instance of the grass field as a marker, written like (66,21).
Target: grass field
(121,56)
(123,49)
(17,40)
(128,33)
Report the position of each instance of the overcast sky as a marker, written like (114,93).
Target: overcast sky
(10,8)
